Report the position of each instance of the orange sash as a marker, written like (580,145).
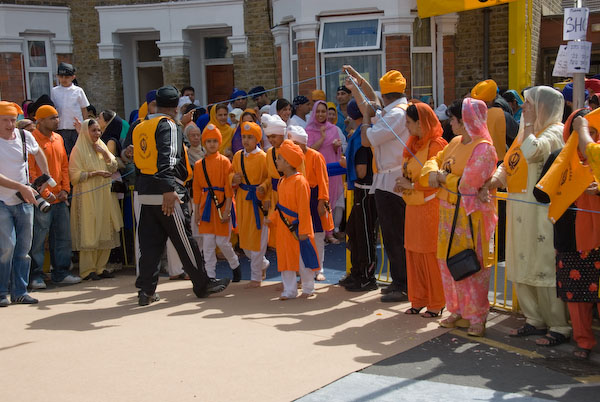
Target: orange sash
(455,158)
(412,171)
(516,169)
(566,179)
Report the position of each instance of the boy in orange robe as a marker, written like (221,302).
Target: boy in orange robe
(213,203)
(296,249)
(274,129)
(318,180)
(250,171)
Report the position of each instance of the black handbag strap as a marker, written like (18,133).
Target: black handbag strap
(22,132)
(456,209)
(211,192)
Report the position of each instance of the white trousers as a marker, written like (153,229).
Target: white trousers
(320,243)
(258,261)
(290,287)
(209,244)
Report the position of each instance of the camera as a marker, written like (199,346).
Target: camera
(37,184)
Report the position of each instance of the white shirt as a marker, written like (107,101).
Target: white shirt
(297,121)
(387,149)
(68,101)
(12,164)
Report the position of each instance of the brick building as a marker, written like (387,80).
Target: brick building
(122,48)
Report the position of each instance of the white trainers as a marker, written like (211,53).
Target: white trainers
(38,283)
(70,280)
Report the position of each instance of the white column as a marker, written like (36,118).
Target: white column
(446,25)
(281,34)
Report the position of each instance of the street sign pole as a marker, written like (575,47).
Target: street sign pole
(578,80)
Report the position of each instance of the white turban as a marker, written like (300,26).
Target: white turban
(440,112)
(273,125)
(265,109)
(297,134)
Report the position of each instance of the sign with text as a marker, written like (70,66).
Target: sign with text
(562,63)
(575,23)
(578,54)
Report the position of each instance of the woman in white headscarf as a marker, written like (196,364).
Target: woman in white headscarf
(530,256)
(95,214)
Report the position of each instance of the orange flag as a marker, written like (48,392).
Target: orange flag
(566,179)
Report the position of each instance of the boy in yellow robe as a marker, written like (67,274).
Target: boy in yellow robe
(296,250)
(250,171)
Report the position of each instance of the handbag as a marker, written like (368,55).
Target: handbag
(465,263)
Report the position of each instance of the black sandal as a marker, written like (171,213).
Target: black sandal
(553,338)
(432,314)
(582,353)
(414,310)
(527,330)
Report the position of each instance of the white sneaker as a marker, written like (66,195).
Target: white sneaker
(70,280)
(38,283)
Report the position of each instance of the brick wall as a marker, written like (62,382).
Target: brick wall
(258,67)
(469,49)
(449,69)
(176,71)
(397,56)
(307,54)
(11,78)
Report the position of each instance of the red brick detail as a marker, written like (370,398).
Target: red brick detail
(307,67)
(64,58)
(12,79)
(449,70)
(279,71)
(397,56)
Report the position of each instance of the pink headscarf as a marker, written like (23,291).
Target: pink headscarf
(474,117)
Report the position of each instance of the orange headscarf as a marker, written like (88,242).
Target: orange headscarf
(430,127)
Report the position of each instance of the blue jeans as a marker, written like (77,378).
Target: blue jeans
(16,227)
(56,223)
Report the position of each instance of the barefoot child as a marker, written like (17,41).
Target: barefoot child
(316,175)
(249,171)
(296,249)
(212,196)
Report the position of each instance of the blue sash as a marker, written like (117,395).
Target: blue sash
(335,169)
(256,204)
(274,184)
(307,251)
(207,206)
(314,211)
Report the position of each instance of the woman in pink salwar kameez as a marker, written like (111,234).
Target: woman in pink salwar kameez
(464,165)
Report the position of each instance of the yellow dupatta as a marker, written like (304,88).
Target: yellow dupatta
(226,130)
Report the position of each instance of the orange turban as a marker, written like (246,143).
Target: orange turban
(292,153)
(485,91)
(392,81)
(211,132)
(250,128)
(45,111)
(143,111)
(318,94)
(593,119)
(10,109)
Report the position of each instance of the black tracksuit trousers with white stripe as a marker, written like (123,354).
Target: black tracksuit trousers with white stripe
(362,235)
(153,229)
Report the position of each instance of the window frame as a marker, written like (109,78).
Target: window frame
(146,36)
(425,49)
(361,17)
(295,87)
(324,56)
(49,69)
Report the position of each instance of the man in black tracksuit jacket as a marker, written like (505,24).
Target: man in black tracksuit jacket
(159,156)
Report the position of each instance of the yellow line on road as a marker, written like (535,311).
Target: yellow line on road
(499,345)
(592,379)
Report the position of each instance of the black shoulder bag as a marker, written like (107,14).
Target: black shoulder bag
(465,263)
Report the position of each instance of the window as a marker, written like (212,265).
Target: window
(369,66)
(148,68)
(294,63)
(422,59)
(350,35)
(38,67)
(217,48)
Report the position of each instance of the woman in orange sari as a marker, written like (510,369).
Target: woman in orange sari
(425,289)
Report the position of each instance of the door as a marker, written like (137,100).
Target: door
(219,82)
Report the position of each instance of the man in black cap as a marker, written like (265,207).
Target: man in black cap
(159,156)
(71,103)
(301,109)
(259,96)
(343,96)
